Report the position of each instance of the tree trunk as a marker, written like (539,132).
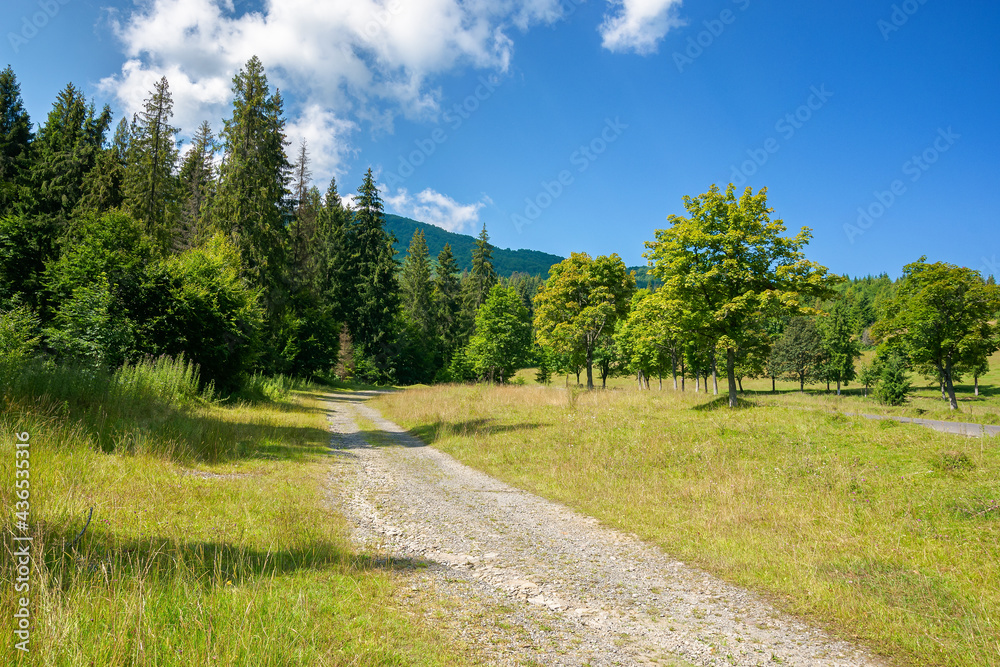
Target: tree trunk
(697,381)
(828,386)
(731,373)
(976,379)
(952,401)
(773,390)
(673,366)
(683,374)
(944,396)
(802,383)
(638,379)
(577,377)
(590,369)
(715,376)
(739,381)
(838,387)
(660,378)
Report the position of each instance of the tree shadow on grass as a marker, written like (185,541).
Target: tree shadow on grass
(722,403)
(428,434)
(210,564)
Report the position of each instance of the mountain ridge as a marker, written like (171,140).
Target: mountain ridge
(505,261)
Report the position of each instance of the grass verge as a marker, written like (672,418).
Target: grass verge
(888,534)
(211,540)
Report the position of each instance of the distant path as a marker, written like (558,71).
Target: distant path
(958,428)
(527,581)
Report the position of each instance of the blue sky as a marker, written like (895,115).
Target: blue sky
(567,126)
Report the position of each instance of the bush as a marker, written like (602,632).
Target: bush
(893,384)
(210,315)
(18,329)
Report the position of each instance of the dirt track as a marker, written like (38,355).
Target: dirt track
(528,581)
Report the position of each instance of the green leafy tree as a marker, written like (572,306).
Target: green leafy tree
(15,140)
(799,352)
(211,315)
(939,313)
(842,350)
(18,333)
(502,341)
(646,339)
(151,187)
(251,202)
(580,303)
(544,373)
(730,266)
(99,291)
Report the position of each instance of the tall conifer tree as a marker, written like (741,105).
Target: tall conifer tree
(416,287)
(197,187)
(15,138)
(376,287)
(448,303)
(251,203)
(151,193)
(483,276)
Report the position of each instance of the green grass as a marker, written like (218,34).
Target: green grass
(212,541)
(888,534)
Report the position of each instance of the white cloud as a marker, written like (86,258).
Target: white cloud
(338,53)
(638,25)
(365,60)
(436,209)
(326,138)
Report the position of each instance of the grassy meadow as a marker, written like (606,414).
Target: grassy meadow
(211,541)
(888,534)
(924,400)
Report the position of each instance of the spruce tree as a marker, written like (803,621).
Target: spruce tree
(376,286)
(197,188)
(334,236)
(151,190)
(416,288)
(66,149)
(15,139)
(448,304)
(250,205)
(303,261)
(483,275)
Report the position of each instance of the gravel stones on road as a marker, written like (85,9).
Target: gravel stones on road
(528,581)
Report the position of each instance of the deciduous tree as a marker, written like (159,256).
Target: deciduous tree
(939,313)
(732,268)
(580,304)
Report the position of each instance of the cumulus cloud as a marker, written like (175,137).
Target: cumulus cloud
(436,209)
(327,140)
(337,62)
(341,54)
(638,25)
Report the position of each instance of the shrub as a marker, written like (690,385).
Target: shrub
(18,329)
(893,384)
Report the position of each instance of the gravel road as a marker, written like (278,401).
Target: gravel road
(527,581)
